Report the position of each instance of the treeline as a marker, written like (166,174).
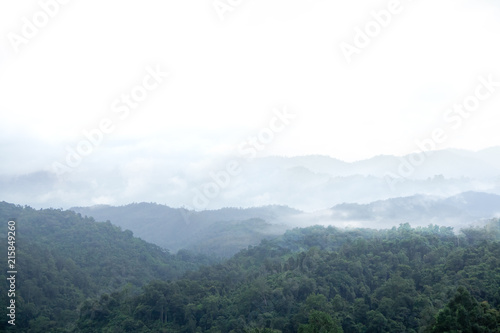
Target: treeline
(325,280)
(79,275)
(62,259)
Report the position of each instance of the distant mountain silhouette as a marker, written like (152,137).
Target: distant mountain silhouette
(308,183)
(459,211)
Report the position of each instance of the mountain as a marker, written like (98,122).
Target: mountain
(451,163)
(221,232)
(308,183)
(477,204)
(458,211)
(79,275)
(63,258)
(225,231)
(326,280)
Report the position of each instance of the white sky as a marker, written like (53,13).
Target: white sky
(227,76)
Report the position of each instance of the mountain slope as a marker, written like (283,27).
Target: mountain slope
(326,280)
(220,232)
(226,231)
(63,258)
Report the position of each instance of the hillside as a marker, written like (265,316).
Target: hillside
(62,259)
(225,231)
(326,280)
(220,232)
(79,275)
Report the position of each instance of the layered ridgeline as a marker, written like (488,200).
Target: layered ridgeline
(224,232)
(326,280)
(78,275)
(220,232)
(307,183)
(62,259)
(458,211)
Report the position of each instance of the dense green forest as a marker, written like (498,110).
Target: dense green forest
(326,280)
(63,259)
(82,276)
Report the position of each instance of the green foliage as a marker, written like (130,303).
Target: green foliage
(320,322)
(464,314)
(327,280)
(84,276)
(63,259)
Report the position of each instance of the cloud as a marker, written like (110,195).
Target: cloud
(226,77)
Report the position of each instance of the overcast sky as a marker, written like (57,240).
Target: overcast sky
(232,68)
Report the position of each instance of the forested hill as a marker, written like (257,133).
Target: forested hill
(221,232)
(326,280)
(79,275)
(63,258)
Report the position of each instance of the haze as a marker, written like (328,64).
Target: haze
(227,81)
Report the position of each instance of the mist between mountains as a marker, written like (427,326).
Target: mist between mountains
(247,151)
(454,118)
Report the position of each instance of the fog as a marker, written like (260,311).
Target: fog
(292,103)
(309,183)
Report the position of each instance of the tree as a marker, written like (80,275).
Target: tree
(320,322)
(464,314)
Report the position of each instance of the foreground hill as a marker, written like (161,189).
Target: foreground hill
(326,280)
(62,259)
(220,232)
